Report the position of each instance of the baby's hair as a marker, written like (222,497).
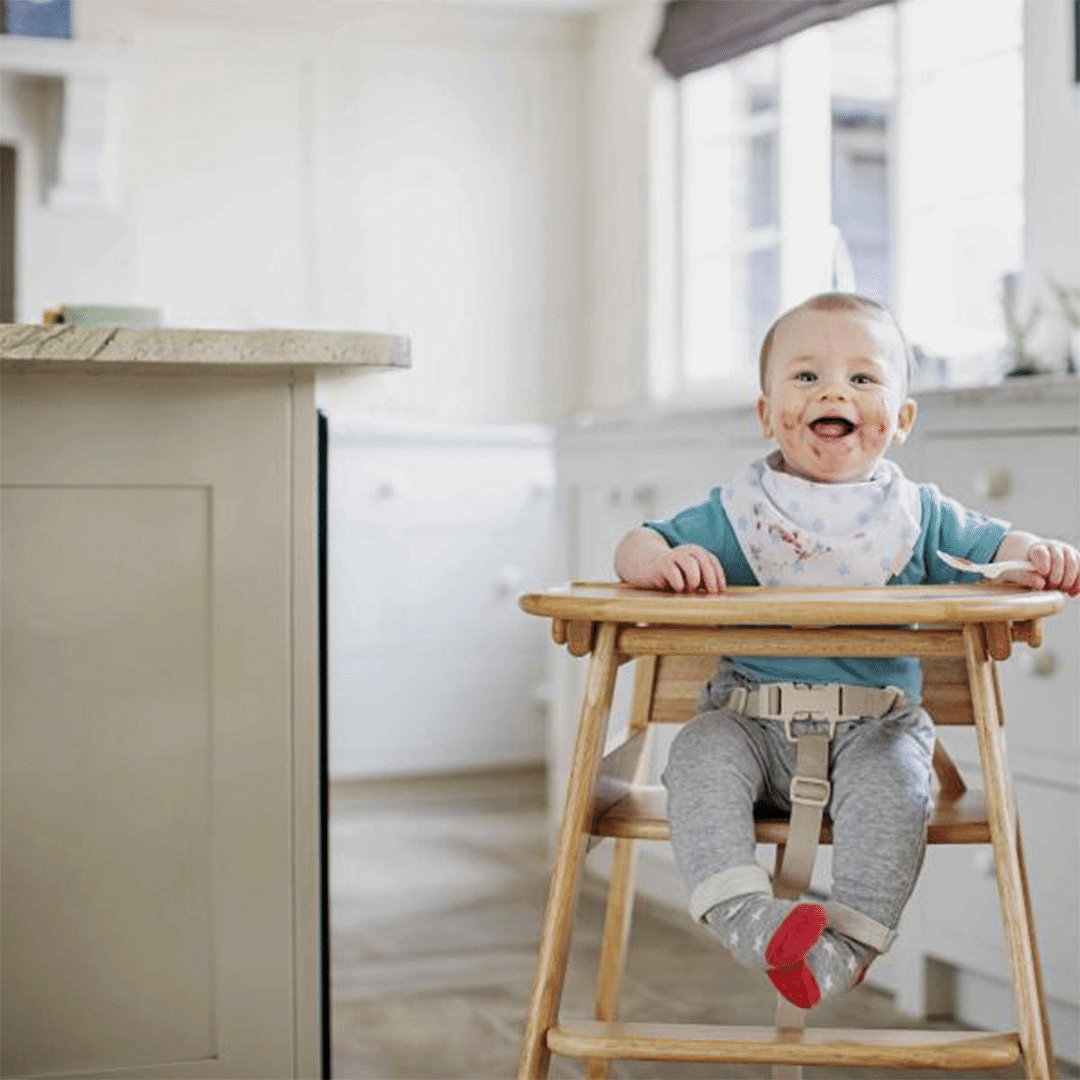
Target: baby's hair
(836,301)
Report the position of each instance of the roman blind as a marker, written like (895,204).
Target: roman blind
(699,33)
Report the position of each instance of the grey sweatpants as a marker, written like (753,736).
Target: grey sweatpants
(721,764)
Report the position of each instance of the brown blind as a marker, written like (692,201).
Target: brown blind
(699,33)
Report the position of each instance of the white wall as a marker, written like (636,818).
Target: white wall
(401,166)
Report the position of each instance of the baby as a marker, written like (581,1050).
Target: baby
(826,508)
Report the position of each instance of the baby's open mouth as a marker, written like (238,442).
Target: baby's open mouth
(832,427)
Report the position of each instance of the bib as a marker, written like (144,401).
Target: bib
(797,532)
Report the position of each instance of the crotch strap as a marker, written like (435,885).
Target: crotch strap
(810,793)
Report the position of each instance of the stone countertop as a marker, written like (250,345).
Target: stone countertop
(25,347)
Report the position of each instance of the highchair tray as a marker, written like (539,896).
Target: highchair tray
(809,606)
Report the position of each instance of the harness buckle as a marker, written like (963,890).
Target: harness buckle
(800,701)
(810,791)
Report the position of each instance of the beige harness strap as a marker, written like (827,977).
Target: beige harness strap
(854,924)
(810,791)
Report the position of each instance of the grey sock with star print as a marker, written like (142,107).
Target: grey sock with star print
(746,924)
(837,962)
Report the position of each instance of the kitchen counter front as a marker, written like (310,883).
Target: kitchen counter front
(160,909)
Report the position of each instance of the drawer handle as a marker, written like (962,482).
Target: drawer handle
(993,485)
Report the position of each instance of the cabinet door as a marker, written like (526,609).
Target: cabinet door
(970,934)
(433,533)
(148,673)
(1027,479)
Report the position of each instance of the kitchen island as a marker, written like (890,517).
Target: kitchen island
(161,789)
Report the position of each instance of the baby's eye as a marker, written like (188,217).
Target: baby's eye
(804,376)
(862,380)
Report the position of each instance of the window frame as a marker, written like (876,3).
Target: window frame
(673,379)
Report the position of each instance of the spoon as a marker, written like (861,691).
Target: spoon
(988,570)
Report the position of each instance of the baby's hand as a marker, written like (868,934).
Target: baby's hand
(686,568)
(1057,566)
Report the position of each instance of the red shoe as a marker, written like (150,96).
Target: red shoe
(785,954)
(797,984)
(796,935)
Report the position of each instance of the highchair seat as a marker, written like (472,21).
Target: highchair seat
(958,632)
(641,814)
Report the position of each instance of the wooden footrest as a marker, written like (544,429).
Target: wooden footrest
(764,1045)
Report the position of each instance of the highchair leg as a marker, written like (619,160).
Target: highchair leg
(1008,860)
(562,894)
(1035,952)
(620,904)
(620,895)
(1027,895)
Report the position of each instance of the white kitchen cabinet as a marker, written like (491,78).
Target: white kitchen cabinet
(1011,451)
(160,911)
(434,531)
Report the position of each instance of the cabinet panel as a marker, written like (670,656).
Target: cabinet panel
(970,934)
(148,728)
(122,810)
(1040,687)
(1029,480)
(433,535)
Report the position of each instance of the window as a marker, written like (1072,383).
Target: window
(881,153)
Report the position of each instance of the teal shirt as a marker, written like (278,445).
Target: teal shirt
(946,526)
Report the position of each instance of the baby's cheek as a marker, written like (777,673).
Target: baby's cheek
(875,429)
(789,421)
(874,439)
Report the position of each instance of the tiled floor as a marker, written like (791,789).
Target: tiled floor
(437,892)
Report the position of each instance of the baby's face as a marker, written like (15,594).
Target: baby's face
(835,394)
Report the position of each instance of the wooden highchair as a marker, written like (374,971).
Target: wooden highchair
(959,631)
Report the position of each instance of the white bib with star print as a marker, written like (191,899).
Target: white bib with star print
(798,532)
